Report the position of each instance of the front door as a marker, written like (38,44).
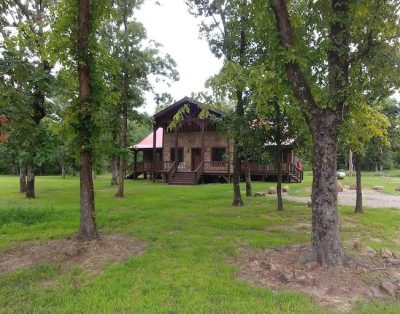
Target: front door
(196,158)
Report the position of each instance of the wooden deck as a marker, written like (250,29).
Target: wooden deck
(172,172)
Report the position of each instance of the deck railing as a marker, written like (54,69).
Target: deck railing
(258,168)
(143,166)
(216,166)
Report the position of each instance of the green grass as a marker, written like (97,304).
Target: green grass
(191,232)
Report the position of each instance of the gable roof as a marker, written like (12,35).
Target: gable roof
(147,142)
(170,111)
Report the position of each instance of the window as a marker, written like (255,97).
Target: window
(218,154)
(180,154)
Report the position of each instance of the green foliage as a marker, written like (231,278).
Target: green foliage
(363,124)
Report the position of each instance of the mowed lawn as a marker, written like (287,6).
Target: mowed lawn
(191,232)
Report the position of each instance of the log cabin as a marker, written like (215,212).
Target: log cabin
(194,152)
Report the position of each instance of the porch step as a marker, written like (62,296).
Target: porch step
(183,178)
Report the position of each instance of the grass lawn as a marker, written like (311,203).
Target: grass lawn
(191,232)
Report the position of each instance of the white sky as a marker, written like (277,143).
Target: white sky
(171,25)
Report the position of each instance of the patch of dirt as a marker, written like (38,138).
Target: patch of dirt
(365,276)
(92,256)
(371,198)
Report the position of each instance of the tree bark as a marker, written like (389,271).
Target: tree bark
(30,180)
(114,170)
(247,174)
(359,203)
(62,165)
(237,197)
(279,184)
(351,163)
(22,179)
(325,221)
(87,229)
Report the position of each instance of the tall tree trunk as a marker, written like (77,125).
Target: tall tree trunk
(62,165)
(30,180)
(247,174)
(114,170)
(87,229)
(325,221)
(359,203)
(22,179)
(125,104)
(351,163)
(237,197)
(279,183)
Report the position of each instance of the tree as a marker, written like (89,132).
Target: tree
(363,124)
(227,28)
(135,61)
(87,229)
(26,74)
(323,47)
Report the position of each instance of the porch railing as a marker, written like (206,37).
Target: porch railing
(216,166)
(143,166)
(221,167)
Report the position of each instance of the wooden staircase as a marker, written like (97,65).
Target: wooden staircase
(184,178)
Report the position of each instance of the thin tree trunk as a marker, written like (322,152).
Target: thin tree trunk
(279,184)
(351,163)
(325,221)
(237,197)
(114,170)
(359,203)
(87,229)
(62,165)
(125,103)
(22,179)
(249,191)
(30,180)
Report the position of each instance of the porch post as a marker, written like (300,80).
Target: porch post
(203,140)
(134,162)
(153,173)
(176,144)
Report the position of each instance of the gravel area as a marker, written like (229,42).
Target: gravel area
(371,198)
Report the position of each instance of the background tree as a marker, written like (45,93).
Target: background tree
(26,74)
(363,124)
(227,27)
(135,60)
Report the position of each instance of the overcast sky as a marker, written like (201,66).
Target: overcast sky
(171,25)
